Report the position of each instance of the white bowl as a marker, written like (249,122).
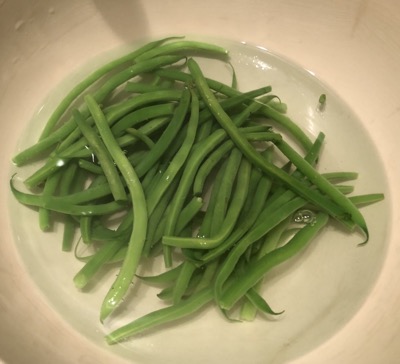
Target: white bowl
(354,48)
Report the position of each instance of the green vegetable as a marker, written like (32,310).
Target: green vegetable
(146,157)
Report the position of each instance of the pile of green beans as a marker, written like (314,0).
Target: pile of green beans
(185,167)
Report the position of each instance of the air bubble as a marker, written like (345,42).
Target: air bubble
(304,217)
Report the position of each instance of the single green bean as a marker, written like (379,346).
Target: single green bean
(259,303)
(90,167)
(325,186)
(182,46)
(145,113)
(71,174)
(168,276)
(135,246)
(208,165)
(50,167)
(367,198)
(167,137)
(49,189)
(96,262)
(205,229)
(85,222)
(141,136)
(235,172)
(142,87)
(162,316)
(182,281)
(62,205)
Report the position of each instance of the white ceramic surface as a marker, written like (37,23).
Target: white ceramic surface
(354,47)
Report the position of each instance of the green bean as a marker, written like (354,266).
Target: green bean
(151,177)
(156,217)
(367,198)
(182,281)
(49,189)
(256,271)
(341,176)
(345,189)
(90,167)
(142,87)
(167,293)
(182,46)
(249,310)
(104,157)
(143,137)
(51,166)
(335,203)
(204,130)
(240,100)
(288,124)
(63,206)
(187,78)
(96,262)
(138,236)
(68,233)
(208,165)
(162,316)
(85,222)
(188,213)
(281,108)
(207,276)
(87,195)
(167,137)
(259,303)
(168,276)
(144,113)
(205,229)
(118,111)
(70,174)
(324,185)
(235,171)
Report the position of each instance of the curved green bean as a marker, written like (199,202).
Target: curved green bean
(127,272)
(162,316)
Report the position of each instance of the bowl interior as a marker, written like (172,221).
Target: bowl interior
(320,290)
